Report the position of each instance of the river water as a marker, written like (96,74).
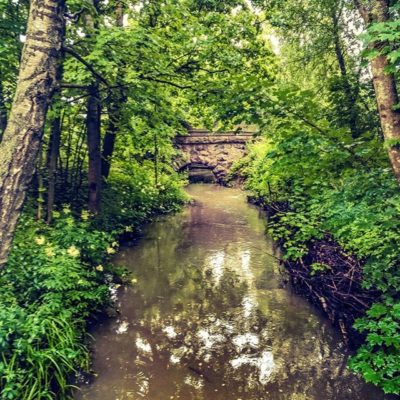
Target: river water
(208,317)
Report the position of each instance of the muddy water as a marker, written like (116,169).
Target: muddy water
(208,318)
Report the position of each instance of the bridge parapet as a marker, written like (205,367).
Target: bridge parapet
(214,138)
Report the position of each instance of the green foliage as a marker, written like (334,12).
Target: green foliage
(317,268)
(47,292)
(56,280)
(13,16)
(320,163)
(320,178)
(168,62)
(387,36)
(319,160)
(378,359)
(132,198)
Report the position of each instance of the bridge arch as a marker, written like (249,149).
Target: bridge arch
(199,172)
(212,151)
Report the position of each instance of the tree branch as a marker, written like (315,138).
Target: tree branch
(150,78)
(73,86)
(74,54)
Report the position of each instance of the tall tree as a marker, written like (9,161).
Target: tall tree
(114,109)
(93,126)
(377,11)
(54,150)
(321,52)
(36,83)
(350,107)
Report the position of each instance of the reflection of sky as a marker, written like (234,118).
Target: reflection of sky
(209,340)
(216,263)
(122,327)
(143,346)
(264,363)
(170,332)
(233,337)
(248,339)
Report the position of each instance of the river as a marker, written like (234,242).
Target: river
(208,317)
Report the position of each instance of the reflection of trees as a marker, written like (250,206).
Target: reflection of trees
(207,319)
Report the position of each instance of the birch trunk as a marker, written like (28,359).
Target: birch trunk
(384,83)
(21,141)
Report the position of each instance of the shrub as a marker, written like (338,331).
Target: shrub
(48,289)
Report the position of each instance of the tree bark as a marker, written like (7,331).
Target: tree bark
(54,148)
(3,112)
(114,119)
(40,186)
(109,139)
(94,149)
(384,83)
(36,83)
(93,127)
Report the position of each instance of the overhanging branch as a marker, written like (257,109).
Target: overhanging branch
(73,86)
(74,54)
(153,79)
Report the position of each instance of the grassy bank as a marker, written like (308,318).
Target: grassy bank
(57,281)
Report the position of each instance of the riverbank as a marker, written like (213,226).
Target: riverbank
(56,283)
(328,277)
(340,245)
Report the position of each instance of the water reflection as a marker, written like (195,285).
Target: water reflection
(208,318)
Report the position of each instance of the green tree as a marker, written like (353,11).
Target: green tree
(36,82)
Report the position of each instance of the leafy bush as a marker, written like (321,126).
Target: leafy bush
(48,289)
(132,197)
(347,191)
(378,358)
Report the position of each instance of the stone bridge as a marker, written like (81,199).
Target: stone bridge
(215,152)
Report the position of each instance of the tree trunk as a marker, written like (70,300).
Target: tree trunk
(40,186)
(109,138)
(384,84)
(94,144)
(3,112)
(54,148)
(114,113)
(36,83)
(114,119)
(54,151)
(350,95)
(156,159)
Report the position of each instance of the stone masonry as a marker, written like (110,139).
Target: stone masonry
(215,151)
